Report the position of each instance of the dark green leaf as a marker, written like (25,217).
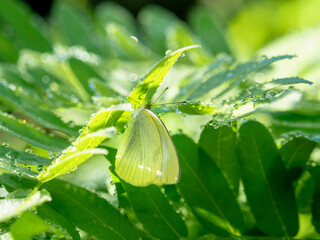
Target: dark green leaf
(304,190)
(206,190)
(296,152)
(315,173)
(220,145)
(48,212)
(13,182)
(89,212)
(8,53)
(155,213)
(19,20)
(269,193)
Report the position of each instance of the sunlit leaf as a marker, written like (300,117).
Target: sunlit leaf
(196,108)
(28,225)
(10,208)
(143,93)
(30,134)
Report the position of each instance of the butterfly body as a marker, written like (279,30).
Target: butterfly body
(146,153)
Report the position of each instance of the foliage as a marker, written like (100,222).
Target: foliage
(68,88)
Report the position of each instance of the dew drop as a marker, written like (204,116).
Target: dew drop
(168,52)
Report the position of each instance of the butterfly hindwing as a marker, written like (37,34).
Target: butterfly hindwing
(138,160)
(170,167)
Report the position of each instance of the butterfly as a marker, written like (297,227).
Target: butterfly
(146,154)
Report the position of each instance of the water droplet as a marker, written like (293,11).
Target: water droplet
(133,77)
(28,150)
(39,168)
(134,38)
(54,86)
(12,155)
(168,52)
(45,79)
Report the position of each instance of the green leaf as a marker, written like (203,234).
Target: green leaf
(98,129)
(10,75)
(102,89)
(296,121)
(315,173)
(48,212)
(220,145)
(232,76)
(206,190)
(75,26)
(89,212)
(8,53)
(125,45)
(304,190)
(68,162)
(156,21)
(196,108)
(296,152)
(84,73)
(288,81)
(179,36)
(154,212)
(269,193)
(26,132)
(13,181)
(12,13)
(21,162)
(143,93)
(10,208)
(111,12)
(27,226)
(37,113)
(205,23)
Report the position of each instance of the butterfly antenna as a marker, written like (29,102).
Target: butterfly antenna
(134,101)
(160,95)
(169,103)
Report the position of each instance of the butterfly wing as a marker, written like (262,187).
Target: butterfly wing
(138,160)
(170,166)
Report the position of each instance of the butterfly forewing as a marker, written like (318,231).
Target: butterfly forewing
(139,155)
